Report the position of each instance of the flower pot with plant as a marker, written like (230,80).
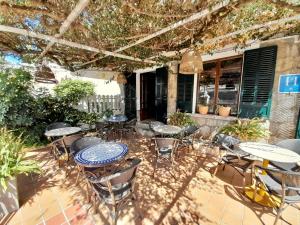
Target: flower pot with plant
(203,103)
(12,163)
(224,110)
(247,130)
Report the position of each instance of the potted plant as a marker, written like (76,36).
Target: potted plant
(224,110)
(12,163)
(247,130)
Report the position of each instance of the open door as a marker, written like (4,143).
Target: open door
(130,96)
(161,94)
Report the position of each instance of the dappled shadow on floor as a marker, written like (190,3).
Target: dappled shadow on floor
(184,194)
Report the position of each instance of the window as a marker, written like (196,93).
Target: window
(221,81)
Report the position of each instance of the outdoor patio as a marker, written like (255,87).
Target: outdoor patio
(186,195)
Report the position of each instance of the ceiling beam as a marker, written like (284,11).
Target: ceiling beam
(81,5)
(235,33)
(180,23)
(45,37)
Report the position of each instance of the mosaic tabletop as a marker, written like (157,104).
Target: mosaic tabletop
(117,118)
(101,154)
(167,129)
(62,131)
(270,152)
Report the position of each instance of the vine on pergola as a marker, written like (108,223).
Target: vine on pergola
(111,24)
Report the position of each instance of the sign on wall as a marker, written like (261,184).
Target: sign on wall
(289,83)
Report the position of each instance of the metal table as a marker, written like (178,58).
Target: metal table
(117,122)
(268,153)
(59,132)
(101,154)
(167,129)
(117,119)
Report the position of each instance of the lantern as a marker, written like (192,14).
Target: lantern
(191,62)
(121,79)
(45,75)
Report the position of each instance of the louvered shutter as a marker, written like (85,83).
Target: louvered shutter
(257,82)
(185,92)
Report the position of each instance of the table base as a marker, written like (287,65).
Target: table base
(262,196)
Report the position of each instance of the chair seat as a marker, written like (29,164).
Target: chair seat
(275,188)
(240,163)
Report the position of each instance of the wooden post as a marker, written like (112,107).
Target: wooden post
(172,87)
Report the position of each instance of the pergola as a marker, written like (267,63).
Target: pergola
(129,34)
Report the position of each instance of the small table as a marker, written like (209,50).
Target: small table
(62,131)
(268,153)
(167,129)
(117,124)
(101,154)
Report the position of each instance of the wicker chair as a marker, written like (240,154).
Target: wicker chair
(61,147)
(165,149)
(235,158)
(80,144)
(293,145)
(283,184)
(128,128)
(116,189)
(103,129)
(57,125)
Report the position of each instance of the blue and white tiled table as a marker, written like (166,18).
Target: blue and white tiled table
(101,154)
(117,118)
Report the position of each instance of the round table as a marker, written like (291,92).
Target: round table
(268,153)
(101,154)
(62,131)
(167,129)
(117,118)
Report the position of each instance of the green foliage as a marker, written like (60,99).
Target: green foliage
(12,159)
(246,130)
(72,91)
(16,102)
(180,119)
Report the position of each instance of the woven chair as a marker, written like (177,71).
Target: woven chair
(103,129)
(293,145)
(188,136)
(80,144)
(116,189)
(165,149)
(235,158)
(61,147)
(57,125)
(128,128)
(283,184)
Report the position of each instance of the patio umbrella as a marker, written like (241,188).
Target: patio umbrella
(191,62)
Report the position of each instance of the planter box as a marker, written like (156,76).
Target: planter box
(9,199)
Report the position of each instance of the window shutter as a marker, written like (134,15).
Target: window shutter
(185,92)
(257,82)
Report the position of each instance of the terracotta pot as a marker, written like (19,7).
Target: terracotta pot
(224,111)
(203,109)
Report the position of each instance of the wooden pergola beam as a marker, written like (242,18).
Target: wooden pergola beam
(45,37)
(81,5)
(180,23)
(235,33)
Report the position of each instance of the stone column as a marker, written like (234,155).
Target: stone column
(172,86)
(138,95)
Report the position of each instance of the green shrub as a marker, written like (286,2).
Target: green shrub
(72,91)
(180,119)
(12,159)
(246,130)
(16,101)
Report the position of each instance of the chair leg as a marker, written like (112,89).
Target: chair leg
(114,215)
(216,170)
(279,212)
(244,183)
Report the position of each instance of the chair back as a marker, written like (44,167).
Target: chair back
(57,125)
(68,140)
(126,174)
(83,143)
(167,143)
(291,144)
(225,140)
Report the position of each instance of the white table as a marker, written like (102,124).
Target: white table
(167,129)
(64,131)
(268,153)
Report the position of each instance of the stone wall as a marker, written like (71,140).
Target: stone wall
(285,107)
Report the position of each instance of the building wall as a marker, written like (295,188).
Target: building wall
(285,107)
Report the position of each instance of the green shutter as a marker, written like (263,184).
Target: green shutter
(185,92)
(257,82)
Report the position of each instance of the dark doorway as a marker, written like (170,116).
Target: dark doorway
(185,85)
(148,96)
(154,95)
(130,96)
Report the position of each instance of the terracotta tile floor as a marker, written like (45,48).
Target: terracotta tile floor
(186,195)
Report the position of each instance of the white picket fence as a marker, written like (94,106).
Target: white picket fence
(100,103)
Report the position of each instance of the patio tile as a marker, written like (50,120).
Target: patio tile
(50,210)
(56,220)
(74,210)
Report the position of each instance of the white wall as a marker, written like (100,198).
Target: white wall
(101,79)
